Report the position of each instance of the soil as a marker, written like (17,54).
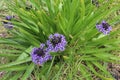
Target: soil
(114,69)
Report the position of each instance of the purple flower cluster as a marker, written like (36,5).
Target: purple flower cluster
(8,24)
(9,17)
(56,42)
(104,27)
(40,55)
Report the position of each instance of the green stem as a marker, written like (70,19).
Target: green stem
(51,65)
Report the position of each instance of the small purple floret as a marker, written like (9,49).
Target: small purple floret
(7,24)
(40,55)
(56,42)
(104,27)
(8,17)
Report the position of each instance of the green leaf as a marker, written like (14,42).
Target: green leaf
(96,73)
(24,55)
(28,71)
(15,77)
(95,50)
(57,76)
(101,67)
(15,63)
(14,68)
(8,41)
(51,65)
(10,51)
(84,72)
(7,76)
(8,55)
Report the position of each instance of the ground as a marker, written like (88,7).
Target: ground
(113,68)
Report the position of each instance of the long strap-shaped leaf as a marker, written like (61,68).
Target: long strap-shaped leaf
(97,74)
(28,71)
(15,63)
(14,68)
(16,76)
(8,55)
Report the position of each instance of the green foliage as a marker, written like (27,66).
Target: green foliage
(87,51)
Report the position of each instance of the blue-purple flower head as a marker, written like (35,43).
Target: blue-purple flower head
(8,17)
(56,42)
(7,24)
(104,27)
(40,55)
